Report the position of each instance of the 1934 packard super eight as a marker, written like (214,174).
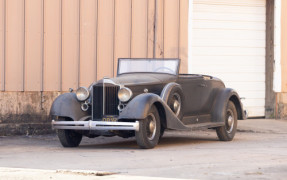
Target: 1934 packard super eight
(147,97)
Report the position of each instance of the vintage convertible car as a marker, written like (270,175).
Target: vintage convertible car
(147,97)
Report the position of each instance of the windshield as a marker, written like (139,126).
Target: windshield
(167,66)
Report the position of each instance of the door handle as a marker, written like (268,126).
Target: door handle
(202,85)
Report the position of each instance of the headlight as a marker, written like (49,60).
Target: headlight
(124,94)
(82,93)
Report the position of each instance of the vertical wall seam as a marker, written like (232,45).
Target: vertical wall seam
(114,21)
(79,45)
(4,50)
(163,12)
(61,43)
(43,27)
(96,39)
(270,96)
(178,39)
(24,49)
(131,35)
(154,28)
(147,8)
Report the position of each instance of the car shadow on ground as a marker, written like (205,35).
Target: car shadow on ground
(131,143)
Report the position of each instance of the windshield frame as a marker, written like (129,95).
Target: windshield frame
(150,59)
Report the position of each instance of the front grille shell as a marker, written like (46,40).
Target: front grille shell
(105,100)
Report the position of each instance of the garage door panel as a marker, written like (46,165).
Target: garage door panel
(250,43)
(254,102)
(228,42)
(229,17)
(246,86)
(242,25)
(232,2)
(224,60)
(226,70)
(232,34)
(242,77)
(256,111)
(228,51)
(198,7)
(252,94)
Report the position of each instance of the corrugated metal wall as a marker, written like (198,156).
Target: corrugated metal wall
(52,45)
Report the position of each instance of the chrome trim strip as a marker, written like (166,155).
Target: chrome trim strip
(95,125)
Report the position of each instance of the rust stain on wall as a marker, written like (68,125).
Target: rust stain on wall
(25,112)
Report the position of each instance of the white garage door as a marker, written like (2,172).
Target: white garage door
(228,41)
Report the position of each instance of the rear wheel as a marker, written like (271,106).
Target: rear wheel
(227,132)
(69,138)
(149,130)
(175,102)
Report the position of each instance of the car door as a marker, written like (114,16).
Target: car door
(192,86)
(210,89)
(207,96)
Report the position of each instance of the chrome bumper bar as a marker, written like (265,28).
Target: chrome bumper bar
(95,125)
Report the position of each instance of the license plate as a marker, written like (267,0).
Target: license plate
(110,119)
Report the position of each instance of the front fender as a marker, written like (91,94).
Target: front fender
(139,106)
(67,105)
(220,104)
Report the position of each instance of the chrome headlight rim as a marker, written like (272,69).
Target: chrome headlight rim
(125,94)
(82,93)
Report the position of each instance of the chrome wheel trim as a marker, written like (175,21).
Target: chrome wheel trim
(151,126)
(229,124)
(176,105)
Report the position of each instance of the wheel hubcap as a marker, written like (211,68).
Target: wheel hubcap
(151,126)
(230,121)
(176,104)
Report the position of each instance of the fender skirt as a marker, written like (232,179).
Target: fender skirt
(220,104)
(139,106)
(67,105)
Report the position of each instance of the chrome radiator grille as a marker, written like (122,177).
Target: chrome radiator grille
(105,100)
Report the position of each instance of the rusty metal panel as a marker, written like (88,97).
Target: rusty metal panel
(171,28)
(159,49)
(70,44)
(52,45)
(88,55)
(139,28)
(183,35)
(105,39)
(123,10)
(2,45)
(150,29)
(33,45)
(14,45)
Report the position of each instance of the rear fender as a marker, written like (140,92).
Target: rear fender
(139,106)
(220,104)
(167,89)
(67,105)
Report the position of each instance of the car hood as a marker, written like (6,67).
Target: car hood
(143,78)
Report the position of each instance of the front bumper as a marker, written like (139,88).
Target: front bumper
(95,125)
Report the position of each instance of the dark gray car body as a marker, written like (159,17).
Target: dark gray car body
(204,102)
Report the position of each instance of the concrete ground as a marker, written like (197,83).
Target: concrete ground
(259,151)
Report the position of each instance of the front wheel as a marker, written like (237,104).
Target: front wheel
(69,138)
(149,130)
(227,132)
